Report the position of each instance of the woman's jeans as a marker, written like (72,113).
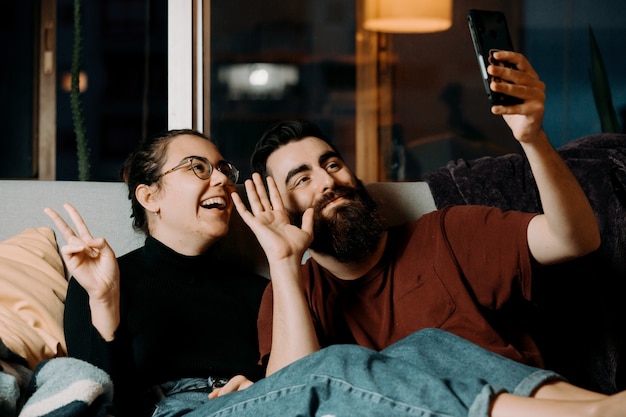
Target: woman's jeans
(429,373)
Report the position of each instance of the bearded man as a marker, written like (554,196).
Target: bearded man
(465,269)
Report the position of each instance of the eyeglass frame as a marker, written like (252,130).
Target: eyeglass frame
(188,160)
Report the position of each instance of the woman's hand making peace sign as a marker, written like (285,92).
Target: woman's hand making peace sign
(93,264)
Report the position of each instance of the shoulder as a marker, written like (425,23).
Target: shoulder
(463,221)
(447,216)
(131,257)
(450,213)
(244,280)
(469,215)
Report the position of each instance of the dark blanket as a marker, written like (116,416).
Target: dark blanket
(579,315)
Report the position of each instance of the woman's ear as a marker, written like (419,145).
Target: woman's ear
(147,196)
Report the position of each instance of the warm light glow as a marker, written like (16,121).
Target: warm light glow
(66,81)
(258,81)
(259,77)
(408,16)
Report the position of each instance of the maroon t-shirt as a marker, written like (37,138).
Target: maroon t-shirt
(464,269)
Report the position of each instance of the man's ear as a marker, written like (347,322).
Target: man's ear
(147,196)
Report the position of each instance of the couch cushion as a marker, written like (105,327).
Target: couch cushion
(580,310)
(33,285)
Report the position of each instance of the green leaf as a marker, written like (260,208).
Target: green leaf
(82,148)
(601,88)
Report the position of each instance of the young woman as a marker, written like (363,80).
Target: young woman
(175,328)
(169,312)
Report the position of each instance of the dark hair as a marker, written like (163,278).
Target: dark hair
(280,134)
(144,167)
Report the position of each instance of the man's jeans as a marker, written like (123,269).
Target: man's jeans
(430,373)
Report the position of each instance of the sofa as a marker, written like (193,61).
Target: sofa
(33,279)
(578,315)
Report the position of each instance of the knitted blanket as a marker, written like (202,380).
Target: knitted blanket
(14,377)
(68,387)
(580,313)
(59,387)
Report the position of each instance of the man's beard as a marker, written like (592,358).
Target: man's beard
(355,228)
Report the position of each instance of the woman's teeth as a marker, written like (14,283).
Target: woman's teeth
(216,202)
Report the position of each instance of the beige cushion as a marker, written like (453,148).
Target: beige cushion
(32,295)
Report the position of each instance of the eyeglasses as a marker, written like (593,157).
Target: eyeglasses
(203,168)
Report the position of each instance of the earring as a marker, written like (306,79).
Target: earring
(155,214)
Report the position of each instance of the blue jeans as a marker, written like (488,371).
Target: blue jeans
(430,373)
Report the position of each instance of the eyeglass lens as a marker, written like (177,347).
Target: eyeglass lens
(203,169)
(229,170)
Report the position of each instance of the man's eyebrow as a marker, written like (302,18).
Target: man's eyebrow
(328,155)
(295,171)
(305,167)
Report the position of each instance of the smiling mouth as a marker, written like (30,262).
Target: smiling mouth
(334,203)
(214,203)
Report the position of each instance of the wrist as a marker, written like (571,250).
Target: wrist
(536,143)
(105,299)
(286,265)
(105,314)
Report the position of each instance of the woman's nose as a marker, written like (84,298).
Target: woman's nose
(218,177)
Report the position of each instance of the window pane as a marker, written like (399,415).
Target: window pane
(276,60)
(17,88)
(124,60)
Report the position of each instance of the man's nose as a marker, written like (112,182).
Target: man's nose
(327,180)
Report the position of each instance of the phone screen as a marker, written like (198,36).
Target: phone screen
(490,33)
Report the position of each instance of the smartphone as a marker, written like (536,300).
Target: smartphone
(490,33)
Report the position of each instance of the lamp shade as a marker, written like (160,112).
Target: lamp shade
(408,16)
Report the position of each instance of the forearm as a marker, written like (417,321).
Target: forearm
(569,227)
(83,340)
(105,315)
(293,334)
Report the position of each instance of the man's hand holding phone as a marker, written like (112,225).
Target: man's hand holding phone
(512,85)
(521,81)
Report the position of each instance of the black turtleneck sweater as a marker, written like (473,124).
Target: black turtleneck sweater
(181,316)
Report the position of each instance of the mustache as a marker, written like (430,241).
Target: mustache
(348,193)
